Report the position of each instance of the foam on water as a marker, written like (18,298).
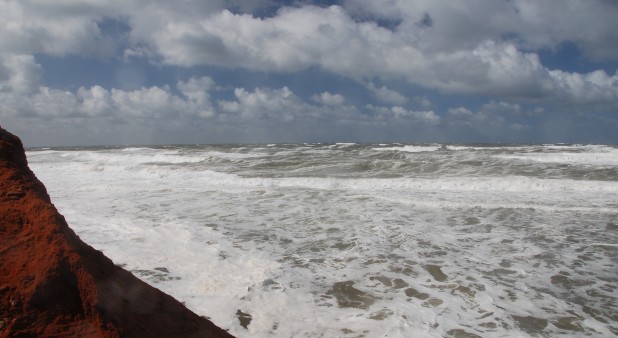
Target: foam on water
(351,240)
(605,158)
(410,148)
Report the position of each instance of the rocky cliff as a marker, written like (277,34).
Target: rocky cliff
(53,284)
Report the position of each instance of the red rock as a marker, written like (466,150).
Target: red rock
(53,284)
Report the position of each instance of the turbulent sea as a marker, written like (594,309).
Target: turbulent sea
(351,240)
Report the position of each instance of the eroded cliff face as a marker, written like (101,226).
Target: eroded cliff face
(53,284)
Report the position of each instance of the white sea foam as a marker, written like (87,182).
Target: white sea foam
(212,179)
(41,152)
(320,251)
(144,156)
(135,149)
(410,148)
(590,155)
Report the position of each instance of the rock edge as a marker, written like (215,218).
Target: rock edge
(53,284)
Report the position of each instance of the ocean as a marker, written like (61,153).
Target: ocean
(358,240)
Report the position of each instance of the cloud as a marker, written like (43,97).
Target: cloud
(189,105)
(267,104)
(294,39)
(398,114)
(387,95)
(429,44)
(529,24)
(96,115)
(19,73)
(329,99)
(494,117)
(28,27)
(503,71)
(502,107)
(298,38)
(464,117)
(22,95)
(196,90)
(593,87)
(282,105)
(426,116)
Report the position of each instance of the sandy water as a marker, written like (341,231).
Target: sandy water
(347,240)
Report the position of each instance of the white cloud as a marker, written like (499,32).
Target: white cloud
(426,116)
(492,116)
(398,114)
(329,99)
(460,111)
(387,95)
(593,87)
(472,48)
(22,95)
(268,104)
(531,24)
(19,73)
(293,40)
(27,28)
(96,100)
(298,38)
(502,107)
(276,105)
(197,92)
(152,102)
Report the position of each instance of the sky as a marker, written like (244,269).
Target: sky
(124,72)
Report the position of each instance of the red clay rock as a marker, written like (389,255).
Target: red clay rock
(53,284)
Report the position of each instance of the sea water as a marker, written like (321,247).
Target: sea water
(351,240)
